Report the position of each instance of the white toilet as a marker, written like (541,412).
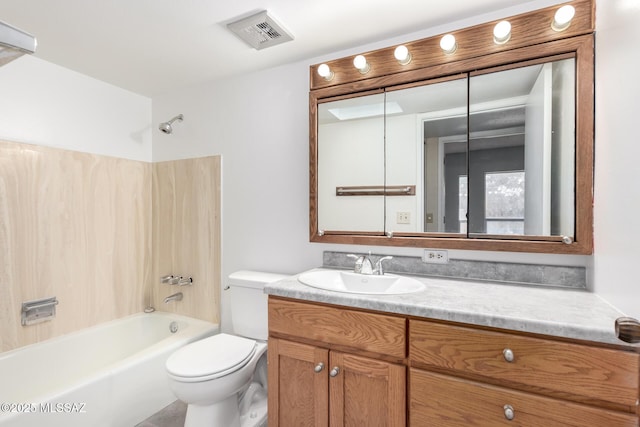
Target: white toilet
(223,378)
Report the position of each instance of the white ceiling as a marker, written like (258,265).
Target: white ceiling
(155,46)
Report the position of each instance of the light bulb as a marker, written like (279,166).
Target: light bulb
(563,17)
(502,32)
(325,72)
(402,55)
(448,43)
(360,62)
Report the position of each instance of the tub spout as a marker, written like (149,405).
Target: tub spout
(175,297)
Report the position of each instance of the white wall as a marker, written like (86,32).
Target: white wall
(44,104)
(617,193)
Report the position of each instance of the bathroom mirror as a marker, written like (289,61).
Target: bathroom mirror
(488,153)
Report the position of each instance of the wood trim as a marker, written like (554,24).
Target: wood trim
(313,166)
(417,241)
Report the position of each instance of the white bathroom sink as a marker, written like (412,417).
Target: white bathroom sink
(355,283)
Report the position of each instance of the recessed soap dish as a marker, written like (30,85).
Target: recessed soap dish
(37,311)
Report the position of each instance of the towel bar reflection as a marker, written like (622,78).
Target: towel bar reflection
(37,311)
(376,190)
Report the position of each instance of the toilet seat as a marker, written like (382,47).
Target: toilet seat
(210,358)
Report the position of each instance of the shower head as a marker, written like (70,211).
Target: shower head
(166,126)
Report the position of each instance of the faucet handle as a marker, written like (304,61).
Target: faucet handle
(357,268)
(185,281)
(378,268)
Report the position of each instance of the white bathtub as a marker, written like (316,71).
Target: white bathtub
(109,375)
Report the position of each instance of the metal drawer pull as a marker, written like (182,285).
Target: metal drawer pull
(508,355)
(319,367)
(509,413)
(334,372)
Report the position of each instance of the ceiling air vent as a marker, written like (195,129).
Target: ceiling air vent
(260,31)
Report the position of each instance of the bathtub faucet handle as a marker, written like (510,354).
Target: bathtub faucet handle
(185,281)
(170,279)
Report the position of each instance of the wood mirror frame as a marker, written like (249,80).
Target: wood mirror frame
(532,38)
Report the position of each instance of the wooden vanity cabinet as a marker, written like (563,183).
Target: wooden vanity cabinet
(325,368)
(394,370)
(465,376)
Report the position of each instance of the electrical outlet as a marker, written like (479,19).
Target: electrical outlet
(432,256)
(403,217)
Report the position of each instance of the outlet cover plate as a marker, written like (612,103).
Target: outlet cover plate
(433,256)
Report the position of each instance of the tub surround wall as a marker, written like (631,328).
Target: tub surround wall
(72,225)
(186,235)
(83,228)
(500,272)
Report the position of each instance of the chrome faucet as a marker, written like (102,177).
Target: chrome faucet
(175,297)
(378,267)
(363,264)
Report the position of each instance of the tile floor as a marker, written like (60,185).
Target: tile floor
(171,416)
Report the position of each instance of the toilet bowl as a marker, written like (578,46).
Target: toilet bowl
(209,374)
(223,378)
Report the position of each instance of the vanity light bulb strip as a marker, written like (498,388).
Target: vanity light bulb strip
(501,35)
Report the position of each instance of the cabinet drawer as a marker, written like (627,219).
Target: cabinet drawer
(440,400)
(377,333)
(575,371)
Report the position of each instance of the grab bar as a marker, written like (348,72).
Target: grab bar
(376,190)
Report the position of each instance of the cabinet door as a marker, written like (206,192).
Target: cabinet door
(440,400)
(366,392)
(298,385)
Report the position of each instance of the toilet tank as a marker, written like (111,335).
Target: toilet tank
(248,302)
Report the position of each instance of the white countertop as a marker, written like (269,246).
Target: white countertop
(575,314)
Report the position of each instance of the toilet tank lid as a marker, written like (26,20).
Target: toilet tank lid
(253,279)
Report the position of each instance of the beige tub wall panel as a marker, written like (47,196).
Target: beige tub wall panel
(75,226)
(186,234)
